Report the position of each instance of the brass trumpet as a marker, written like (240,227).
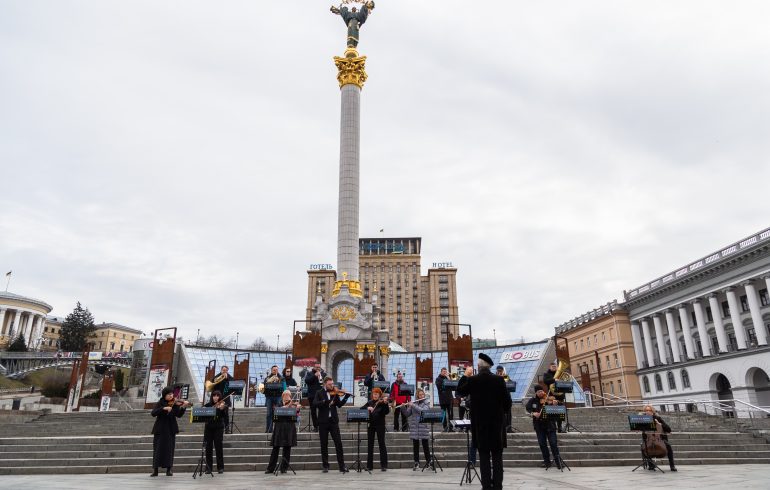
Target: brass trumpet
(453,376)
(210,384)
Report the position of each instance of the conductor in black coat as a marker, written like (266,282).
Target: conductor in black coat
(313,380)
(490,402)
(327,404)
(164,431)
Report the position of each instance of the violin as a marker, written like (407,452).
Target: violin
(337,392)
(182,403)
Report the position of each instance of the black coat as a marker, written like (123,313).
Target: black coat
(284,433)
(369,380)
(534,406)
(165,422)
(666,428)
(327,409)
(490,403)
(377,416)
(224,388)
(444,395)
(218,422)
(290,381)
(313,384)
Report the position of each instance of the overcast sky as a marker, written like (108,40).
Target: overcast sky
(176,163)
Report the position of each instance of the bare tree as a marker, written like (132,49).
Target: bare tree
(259,344)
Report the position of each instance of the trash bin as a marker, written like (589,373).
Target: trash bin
(16,404)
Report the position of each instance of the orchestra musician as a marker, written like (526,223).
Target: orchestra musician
(508,417)
(213,432)
(314,383)
(373,376)
(222,384)
(327,401)
(549,378)
(284,436)
(445,399)
(417,431)
(378,409)
(545,429)
(165,429)
(490,402)
(665,429)
(399,400)
(272,401)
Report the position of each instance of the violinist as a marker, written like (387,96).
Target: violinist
(664,429)
(378,409)
(327,401)
(284,436)
(213,432)
(165,429)
(545,429)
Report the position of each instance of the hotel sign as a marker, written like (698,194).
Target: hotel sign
(442,265)
(521,355)
(321,267)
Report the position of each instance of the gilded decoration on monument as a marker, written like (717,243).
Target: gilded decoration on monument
(351,69)
(343,313)
(324,348)
(384,350)
(354,287)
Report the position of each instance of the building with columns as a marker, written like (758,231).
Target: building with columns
(701,331)
(20,315)
(601,351)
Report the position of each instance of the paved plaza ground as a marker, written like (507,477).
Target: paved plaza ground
(700,477)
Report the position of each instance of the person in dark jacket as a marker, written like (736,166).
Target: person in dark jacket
(288,378)
(649,410)
(313,381)
(545,429)
(549,378)
(223,386)
(508,416)
(490,402)
(165,429)
(327,402)
(399,399)
(375,375)
(214,431)
(284,436)
(378,409)
(445,399)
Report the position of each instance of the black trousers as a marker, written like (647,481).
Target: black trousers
(425,450)
(399,414)
(226,418)
(313,414)
(274,458)
(462,412)
(449,411)
(508,421)
(333,429)
(214,441)
(491,474)
(380,432)
(545,438)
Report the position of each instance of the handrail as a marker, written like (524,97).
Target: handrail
(753,406)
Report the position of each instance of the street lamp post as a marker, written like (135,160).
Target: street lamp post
(236,340)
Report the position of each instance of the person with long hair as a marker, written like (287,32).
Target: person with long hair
(666,429)
(165,429)
(284,436)
(418,432)
(214,431)
(378,409)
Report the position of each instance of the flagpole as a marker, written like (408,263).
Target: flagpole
(8,282)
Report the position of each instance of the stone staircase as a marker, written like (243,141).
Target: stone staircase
(119,442)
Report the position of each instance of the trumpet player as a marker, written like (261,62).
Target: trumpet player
(445,399)
(549,378)
(221,383)
(213,432)
(272,401)
(508,418)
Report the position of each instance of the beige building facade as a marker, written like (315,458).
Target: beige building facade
(601,346)
(416,310)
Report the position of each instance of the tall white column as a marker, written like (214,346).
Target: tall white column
(648,342)
(14,330)
(2,320)
(716,314)
(636,337)
(756,315)
(700,321)
(735,318)
(684,319)
(672,336)
(660,339)
(33,331)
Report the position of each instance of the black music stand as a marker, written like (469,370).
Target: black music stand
(358,415)
(383,385)
(556,412)
(202,415)
(431,416)
(309,425)
(235,388)
(470,468)
(566,387)
(644,423)
(510,386)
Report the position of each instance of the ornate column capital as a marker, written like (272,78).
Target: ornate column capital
(351,68)
(324,348)
(384,350)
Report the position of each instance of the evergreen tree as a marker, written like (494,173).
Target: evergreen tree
(77,327)
(18,345)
